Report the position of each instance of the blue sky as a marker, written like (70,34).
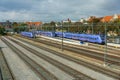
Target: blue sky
(56,10)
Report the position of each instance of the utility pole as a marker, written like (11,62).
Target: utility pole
(62,35)
(105,53)
(92,27)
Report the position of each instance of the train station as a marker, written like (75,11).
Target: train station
(59,40)
(58,56)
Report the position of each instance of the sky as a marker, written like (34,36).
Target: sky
(56,10)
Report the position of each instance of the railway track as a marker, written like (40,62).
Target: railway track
(110,50)
(91,52)
(101,48)
(65,68)
(112,53)
(5,71)
(110,59)
(0,75)
(92,66)
(39,70)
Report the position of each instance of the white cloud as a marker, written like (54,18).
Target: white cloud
(15,16)
(46,10)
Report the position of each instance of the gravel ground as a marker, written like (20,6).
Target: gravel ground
(19,69)
(73,65)
(0,76)
(54,70)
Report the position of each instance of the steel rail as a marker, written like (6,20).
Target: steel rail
(92,66)
(65,68)
(38,69)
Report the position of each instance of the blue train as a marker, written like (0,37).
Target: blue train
(100,39)
(49,34)
(27,34)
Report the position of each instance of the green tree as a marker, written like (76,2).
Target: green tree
(52,23)
(2,30)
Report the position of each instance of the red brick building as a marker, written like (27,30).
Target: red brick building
(34,25)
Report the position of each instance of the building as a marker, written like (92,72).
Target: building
(34,25)
(110,18)
(106,19)
(7,25)
(90,19)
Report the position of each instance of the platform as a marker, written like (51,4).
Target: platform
(77,42)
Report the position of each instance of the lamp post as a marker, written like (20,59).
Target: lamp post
(105,53)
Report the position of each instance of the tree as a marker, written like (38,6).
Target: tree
(15,24)
(2,30)
(52,23)
(23,24)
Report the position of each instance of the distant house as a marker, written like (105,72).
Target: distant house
(110,18)
(7,25)
(34,25)
(82,20)
(67,21)
(106,19)
(93,19)
(90,19)
(116,16)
